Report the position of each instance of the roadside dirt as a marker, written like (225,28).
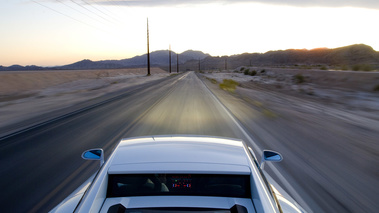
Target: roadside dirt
(346,90)
(328,132)
(28,94)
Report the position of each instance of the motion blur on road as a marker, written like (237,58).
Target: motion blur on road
(330,164)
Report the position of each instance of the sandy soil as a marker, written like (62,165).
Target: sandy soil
(327,131)
(341,89)
(29,94)
(24,95)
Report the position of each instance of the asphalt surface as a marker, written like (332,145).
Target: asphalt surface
(41,166)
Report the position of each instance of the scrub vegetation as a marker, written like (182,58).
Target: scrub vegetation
(299,78)
(362,67)
(229,85)
(248,72)
(212,80)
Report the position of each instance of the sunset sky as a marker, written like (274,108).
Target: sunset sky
(58,32)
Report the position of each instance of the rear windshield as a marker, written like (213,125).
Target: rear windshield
(119,208)
(179,184)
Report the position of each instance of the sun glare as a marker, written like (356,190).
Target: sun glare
(218,29)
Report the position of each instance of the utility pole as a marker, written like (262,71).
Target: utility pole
(226,63)
(169,56)
(177,63)
(148,51)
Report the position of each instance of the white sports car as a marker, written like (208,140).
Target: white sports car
(178,174)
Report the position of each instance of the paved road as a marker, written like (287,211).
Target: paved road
(40,167)
(331,152)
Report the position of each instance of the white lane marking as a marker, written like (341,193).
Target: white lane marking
(288,186)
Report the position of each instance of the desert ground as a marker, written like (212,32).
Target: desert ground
(325,123)
(29,94)
(327,126)
(358,91)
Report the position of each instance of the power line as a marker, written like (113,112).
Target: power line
(90,10)
(118,5)
(97,10)
(109,13)
(60,1)
(84,10)
(75,19)
(115,4)
(105,12)
(63,14)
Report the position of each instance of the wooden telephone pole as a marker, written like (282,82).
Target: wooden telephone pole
(226,63)
(177,63)
(169,56)
(148,51)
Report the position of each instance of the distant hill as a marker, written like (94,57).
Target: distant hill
(353,54)
(189,60)
(348,56)
(88,64)
(159,58)
(21,68)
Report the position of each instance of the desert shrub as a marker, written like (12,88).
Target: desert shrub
(323,68)
(253,73)
(242,68)
(263,71)
(344,67)
(214,81)
(102,74)
(367,67)
(356,67)
(376,88)
(229,85)
(306,67)
(362,67)
(299,78)
(246,72)
(268,113)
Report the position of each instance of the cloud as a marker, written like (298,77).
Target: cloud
(371,4)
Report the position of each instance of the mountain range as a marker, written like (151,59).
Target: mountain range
(158,58)
(348,56)
(189,60)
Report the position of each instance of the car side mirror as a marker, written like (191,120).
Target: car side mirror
(269,155)
(94,154)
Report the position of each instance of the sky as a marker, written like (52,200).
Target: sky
(59,32)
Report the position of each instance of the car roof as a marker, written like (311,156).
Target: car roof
(180,154)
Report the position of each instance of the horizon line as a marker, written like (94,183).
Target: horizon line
(52,66)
